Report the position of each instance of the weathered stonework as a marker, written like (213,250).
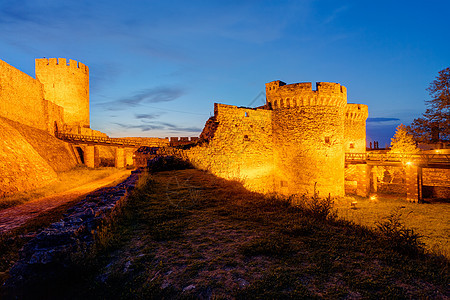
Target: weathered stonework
(294,143)
(21,167)
(241,147)
(66,84)
(57,249)
(355,128)
(31,111)
(21,97)
(57,99)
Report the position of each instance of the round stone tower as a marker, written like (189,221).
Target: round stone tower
(67,85)
(308,137)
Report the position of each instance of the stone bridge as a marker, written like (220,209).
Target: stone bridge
(85,148)
(413,163)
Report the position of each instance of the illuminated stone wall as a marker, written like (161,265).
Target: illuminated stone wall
(355,127)
(57,98)
(241,147)
(308,137)
(58,154)
(21,97)
(296,141)
(22,168)
(31,110)
(67,85)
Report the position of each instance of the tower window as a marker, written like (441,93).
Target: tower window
(327,139)
(246,114)
(352,146)
(246,138)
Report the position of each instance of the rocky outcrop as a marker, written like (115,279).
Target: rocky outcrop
(55,251)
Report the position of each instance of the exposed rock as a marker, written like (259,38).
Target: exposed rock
(189,288)
(55,251)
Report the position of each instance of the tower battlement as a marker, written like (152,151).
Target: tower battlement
(62,62)
(356,111)
(282,95)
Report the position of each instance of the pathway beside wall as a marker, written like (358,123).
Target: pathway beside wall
(15,217)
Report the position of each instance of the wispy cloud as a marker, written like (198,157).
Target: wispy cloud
(381,120)
(148,116)
(335,14)
(152,95)
(142,127)
(170,127)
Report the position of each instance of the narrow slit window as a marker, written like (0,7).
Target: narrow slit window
(246,114)
(327,139)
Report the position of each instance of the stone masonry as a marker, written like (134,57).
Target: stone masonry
(291,145)
(56,250)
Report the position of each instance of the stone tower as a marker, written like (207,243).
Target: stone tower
(308,136)
(67,85)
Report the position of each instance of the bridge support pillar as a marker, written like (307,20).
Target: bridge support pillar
(414,183)
(374,181)
(363,187)
(119,159)
(129,157)
(91,156)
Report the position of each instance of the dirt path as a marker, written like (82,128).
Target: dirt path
(16,216)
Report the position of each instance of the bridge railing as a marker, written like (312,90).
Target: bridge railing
(96,139)
(398,157)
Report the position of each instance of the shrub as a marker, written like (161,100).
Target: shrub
(318,208)
(167,163)
(397,236)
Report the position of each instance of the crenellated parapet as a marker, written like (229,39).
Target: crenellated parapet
(282,95)
(73,65)
(356,111)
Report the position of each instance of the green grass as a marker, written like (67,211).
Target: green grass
(188,234)
(66,180)
(430,220)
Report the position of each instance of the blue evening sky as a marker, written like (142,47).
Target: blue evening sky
(157,67)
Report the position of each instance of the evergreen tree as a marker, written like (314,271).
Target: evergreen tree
(403,142)
(434,125)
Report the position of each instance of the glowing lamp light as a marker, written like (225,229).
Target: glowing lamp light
(408,163)
(373,197)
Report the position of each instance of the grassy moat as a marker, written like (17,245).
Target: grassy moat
(188,234)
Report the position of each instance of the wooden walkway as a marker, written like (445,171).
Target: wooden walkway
(102,140)
(441,161)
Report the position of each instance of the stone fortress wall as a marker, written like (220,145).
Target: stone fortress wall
(22,98)
(66,84)
(31,110)
(57,99)
(294,143)
(240,146)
